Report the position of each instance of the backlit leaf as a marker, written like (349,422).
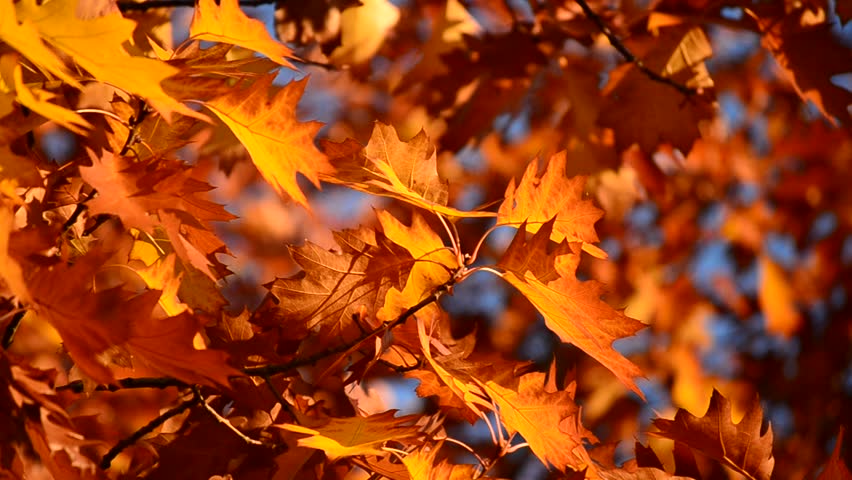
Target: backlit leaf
(539,198)
(740,446)
(225,22)
(347,437)
(572,309)
(280,146)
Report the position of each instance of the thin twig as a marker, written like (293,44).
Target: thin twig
(628,55)
(266,370)
(113,452)
(224,421)
(12,327)
(77,386)
(280,398)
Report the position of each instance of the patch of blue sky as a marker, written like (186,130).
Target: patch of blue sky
(481,293)
(746,280)
(657,398)
(404,395)
(643,215)
(58,145)
(537,344)
(518,127)
(846,250)
(712,259)
(613,248)
(730,47)
(847,379)
(838,297)
(712,217)
(824,225)
(758,134)
(746,193)
(781,417)
(501,237)
(732,109)
(818,315)
(470,158)
(471,197)
(781,248)
(532,469)
(634,344)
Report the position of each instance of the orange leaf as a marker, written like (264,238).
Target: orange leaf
(537,199)
(571,308)
(226,23)
(739,446)
(548,420)
(280,146)
(347,437)
(420,465)
(433,263)
(647,112)
(835,469)
(390,167)
(777,299)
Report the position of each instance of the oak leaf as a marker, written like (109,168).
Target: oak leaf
(811,57)
(387,166)
(421,465)
(279,145)
(347,437)
(433,264)
(835,469)
(538,198)
(548,420)
(335,286)
(571,308)
(97,45)
(740,446)
(225,22)
(647,112)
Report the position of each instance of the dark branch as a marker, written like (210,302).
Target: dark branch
(628,55)
(113,452)
(77,386)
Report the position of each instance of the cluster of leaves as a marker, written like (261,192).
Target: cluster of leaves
(126,352)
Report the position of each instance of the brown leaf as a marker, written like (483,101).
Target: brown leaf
(740,446)
(810,56)
(572,309)
(647,112)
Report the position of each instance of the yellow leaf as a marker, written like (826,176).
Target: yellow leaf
(161,276)
(226,23)
(36,99)
(347,437)
(10,270)
(433,263)
(572,309)
(388,166)
(280,146)
(777,299)
(363,30)
(537,199)
(420,465)
(96,45)
(23,35)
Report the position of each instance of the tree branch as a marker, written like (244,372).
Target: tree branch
(77,386)
(628,55)
(224,421)
(113,452)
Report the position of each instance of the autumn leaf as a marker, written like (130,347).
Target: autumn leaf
(97,45)
(835,469)
(280,146)
(647,112)
(777,299)
(335,286)
(740,446)
(36,99)
(225,22)
(387,166)
(539,198)
(811,57)
(421,465)
(433,264)
(347,437)
(548,420)
(571,308)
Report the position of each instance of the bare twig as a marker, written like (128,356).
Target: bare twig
(224,421)
(280,398)
(12,327)
(77,386)
(113,452)
(628,55)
